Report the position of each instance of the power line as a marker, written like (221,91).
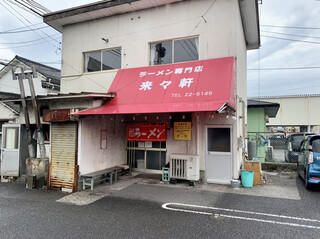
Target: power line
(25,45)
(19,28)
(311,28)
(290,39)
(25,8)
(10,32)
(23,42)
(285,68)
(30,23)
(202,17)
(290,79)
(280,33)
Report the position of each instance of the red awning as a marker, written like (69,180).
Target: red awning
(183,87)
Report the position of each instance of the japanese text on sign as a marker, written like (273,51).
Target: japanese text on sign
(146,132)
(184,82)
(182,131)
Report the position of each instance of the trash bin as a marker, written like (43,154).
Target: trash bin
(247,178)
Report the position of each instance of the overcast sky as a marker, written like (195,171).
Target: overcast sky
(290,38)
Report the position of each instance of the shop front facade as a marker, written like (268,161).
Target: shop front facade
(158,112)
(178,72)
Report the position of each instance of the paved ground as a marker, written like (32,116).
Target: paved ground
(148,209)
(278,185)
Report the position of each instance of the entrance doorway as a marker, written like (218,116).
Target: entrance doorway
(146,156)
(10,152)
(218,154)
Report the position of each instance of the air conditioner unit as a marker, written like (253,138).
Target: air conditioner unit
(185,167)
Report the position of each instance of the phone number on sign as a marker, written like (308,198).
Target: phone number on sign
(202,93)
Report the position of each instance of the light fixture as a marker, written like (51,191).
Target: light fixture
(234,117)
(227,115)
(145,117)
(170,117)
(212,115)
(157,117)
(198,116)
(111,118)
(122,119)
(183,116)
(133,118)
(106,40)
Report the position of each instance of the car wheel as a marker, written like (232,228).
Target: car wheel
(307,184)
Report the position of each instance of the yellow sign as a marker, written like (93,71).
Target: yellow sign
(182,131)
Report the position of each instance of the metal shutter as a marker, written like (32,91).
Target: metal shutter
(63,154)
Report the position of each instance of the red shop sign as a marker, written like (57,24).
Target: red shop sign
(146,132)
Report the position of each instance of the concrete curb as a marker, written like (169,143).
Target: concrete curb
(276,166)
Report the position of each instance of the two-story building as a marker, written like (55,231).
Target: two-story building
(175,71)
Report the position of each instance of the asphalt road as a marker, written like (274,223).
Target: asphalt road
(137,212)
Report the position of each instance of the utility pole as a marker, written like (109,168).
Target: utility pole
(30,74)
(40,138)
(20,75)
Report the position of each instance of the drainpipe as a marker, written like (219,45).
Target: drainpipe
(243,131)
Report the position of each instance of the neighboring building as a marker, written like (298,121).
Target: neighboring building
(299,111)
(259,114)
(175,72)
(14,148)
(8,111)
(47,82)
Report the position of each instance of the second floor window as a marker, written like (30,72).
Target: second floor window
(102,60)
(174,51)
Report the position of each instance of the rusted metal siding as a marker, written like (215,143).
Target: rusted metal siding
(63,154)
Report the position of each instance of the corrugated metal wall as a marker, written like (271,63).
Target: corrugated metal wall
(63,154)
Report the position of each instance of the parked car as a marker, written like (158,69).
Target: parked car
(292,146)
(309,160)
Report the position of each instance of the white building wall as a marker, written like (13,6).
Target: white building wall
(8,84)
(296,110)
(239,128)
(134,31)
(93,158)
(5,113)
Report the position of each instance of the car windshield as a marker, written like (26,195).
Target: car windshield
(296,140)
(316,145)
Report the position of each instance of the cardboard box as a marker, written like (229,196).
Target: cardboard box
(254,166)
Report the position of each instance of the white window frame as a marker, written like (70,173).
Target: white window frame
(101,58)
(172,42)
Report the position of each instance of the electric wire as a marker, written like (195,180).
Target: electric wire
(286,68)
(281,33)
(23,42)
(287,39)
(30,23)
(25,8)
(202,17)
(27,45)
(294,27)
(12,32)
